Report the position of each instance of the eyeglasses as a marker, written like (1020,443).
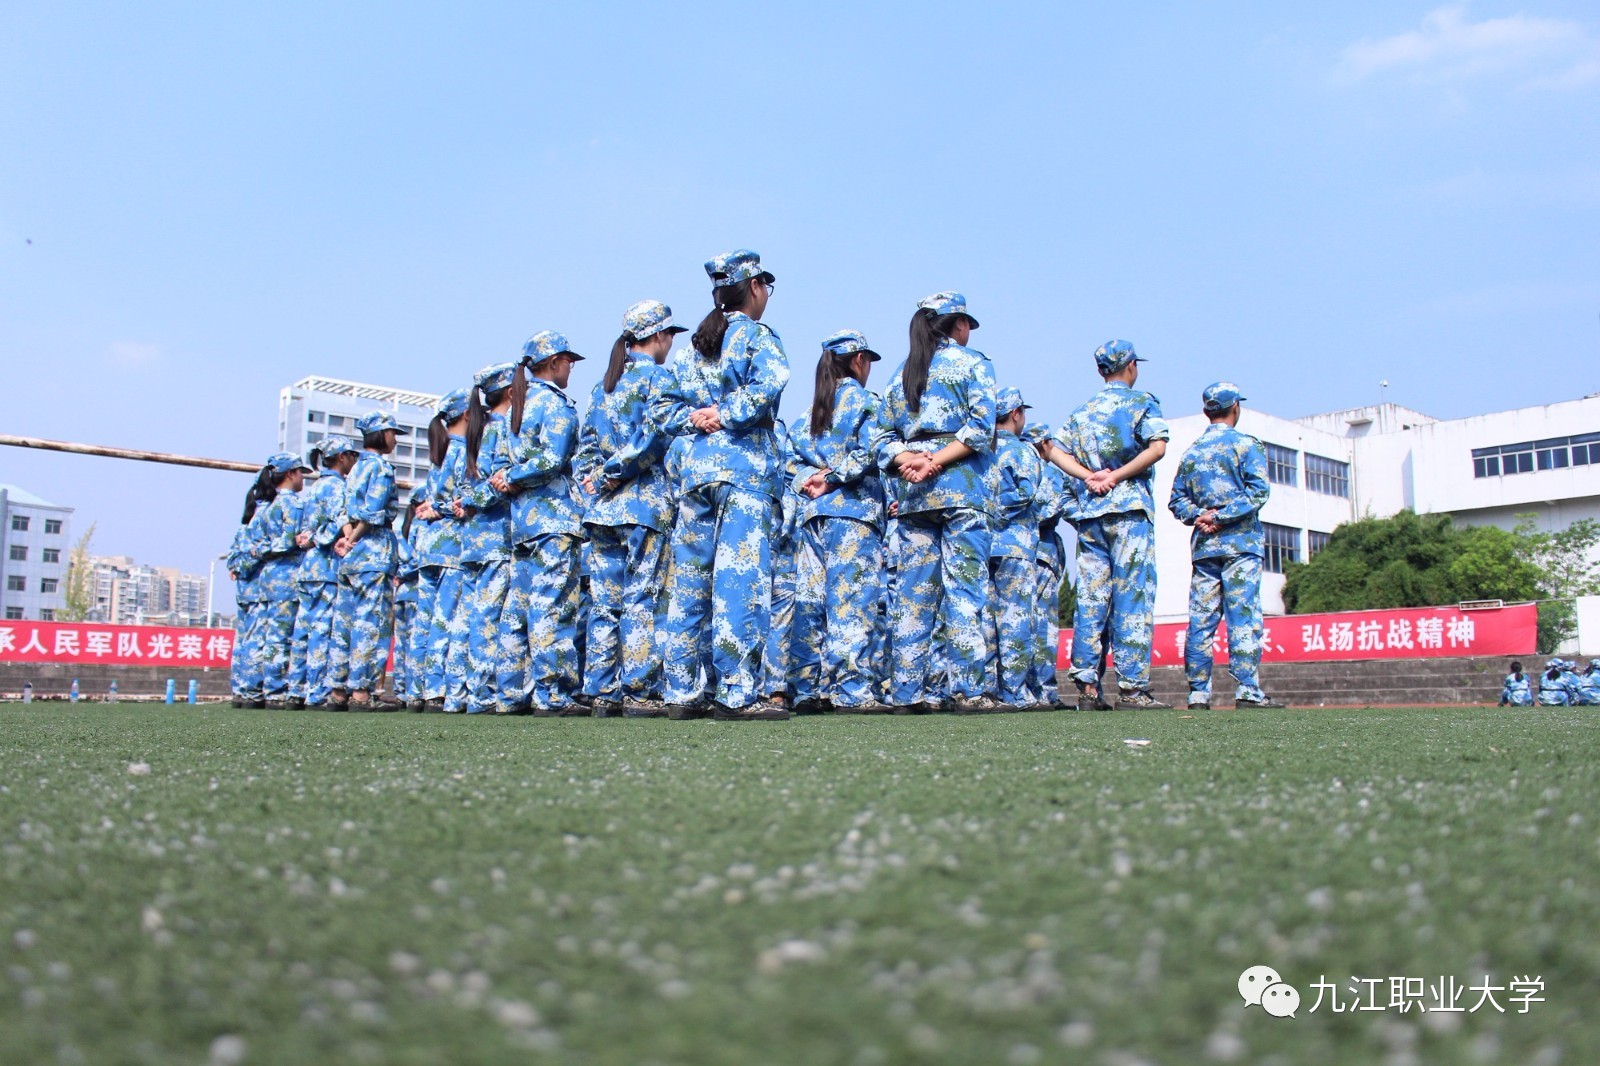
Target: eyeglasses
(770,286)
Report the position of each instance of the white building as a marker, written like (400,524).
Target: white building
(1335,467)
(35,551)
(130,593)
(313,407)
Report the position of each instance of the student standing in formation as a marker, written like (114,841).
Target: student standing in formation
(366,590)
(407,579)
(1517,690)
(274,550)
(1051,504)
(1112,443)
(317,583)
(541,619)
(724,398)
(777,661)
(243,568)
(439,551)
(492,682)
(1219,489)
(1012,553)
(937,435)
(621,456)
(837,621)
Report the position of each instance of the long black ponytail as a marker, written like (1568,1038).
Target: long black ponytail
(708,335)
(478,417)
(252,498)
(831,369)
(928,330)
(519,396)
(619,361)
(438,440)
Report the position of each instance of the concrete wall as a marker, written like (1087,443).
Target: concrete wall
(94,680)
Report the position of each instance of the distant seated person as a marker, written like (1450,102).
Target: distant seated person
(1518,689)
(1581,687)
(1591,683)
(1555,690)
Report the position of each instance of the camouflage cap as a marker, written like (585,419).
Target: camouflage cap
(376,422)
(730,268)
(1008,399)
(453,404)
(496,377)
(285,462)
(947,303)
(647,318)
(848,342)
(546,345)
(334,445)
(1112,356)
(1219,397)
(1035,432)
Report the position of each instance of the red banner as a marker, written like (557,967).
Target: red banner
(92,642)
(1405,633)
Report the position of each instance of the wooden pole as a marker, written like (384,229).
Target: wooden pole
(106,452)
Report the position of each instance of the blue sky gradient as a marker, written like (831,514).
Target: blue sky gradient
(222,199)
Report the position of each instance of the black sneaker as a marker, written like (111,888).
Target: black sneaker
(274,705)
(870,707)
(604,708)
(1266,702)
(814,706)
(643,708)
(575,710)
(1089,698)
(256,704)
(433,706)
(295,703)
(760,711)
(687,712)
(1140,700)
(912,708)
(238,702)
(1198,703)
(417,706)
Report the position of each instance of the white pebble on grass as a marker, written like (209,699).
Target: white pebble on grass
(227,1050)
(773,960)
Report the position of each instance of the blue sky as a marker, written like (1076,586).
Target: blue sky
(222,199)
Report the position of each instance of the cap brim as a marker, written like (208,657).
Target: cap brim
(970,320)
(676,329)
(874,356)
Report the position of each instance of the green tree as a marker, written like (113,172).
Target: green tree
(80,580)
(1566,567)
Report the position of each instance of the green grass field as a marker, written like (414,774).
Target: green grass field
(286,887)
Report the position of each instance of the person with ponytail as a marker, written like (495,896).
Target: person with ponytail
(490,681)
(841,559)
(317,582)
(724,397)
(1051,504)
(274,549)
(243,568)
(439,640)
(539,624)
(403,674)
(621,464)
(1013,550)
(779,660)
(937,436)
(363,616)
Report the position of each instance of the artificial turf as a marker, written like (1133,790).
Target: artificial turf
(286,887)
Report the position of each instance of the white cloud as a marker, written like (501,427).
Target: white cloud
(132,354)
(1544,52)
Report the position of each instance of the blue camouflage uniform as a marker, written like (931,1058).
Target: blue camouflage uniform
(242,678)
(546,534)
(317,583)
(1051,504)
(1116,531)
(1578,690)
(1013,550)
(943,521)
(838,614)
(491,683)
(721,601)
(628,525)
(1224,471)
(672,466)
(363,615)
(1590,680)
(407,607)
(1517,691)
(277,556)
(445,669)
(1555,688)
(776,660)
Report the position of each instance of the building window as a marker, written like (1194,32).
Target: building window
(52,527)
(1327,476)
(1555,453)
(1315,542)
(48,585)
(19,523)
(1283,546)
(16,583)
(13,614)
(336,421)
(19,553)
(315,416)
(47,614)
(52,555)
(1283,465)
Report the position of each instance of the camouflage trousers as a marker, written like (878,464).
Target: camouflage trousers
(539,631)
(1046,632)
(943,580)
(626,568)
(1010,617)
(838,621)
(445,671)
(405,623)
(495,678)
(777,659)
(311,646)
(1231,586)
(419,640)
(275,629)
(243,676)
(1116,597)
(721,601)
(361,630)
